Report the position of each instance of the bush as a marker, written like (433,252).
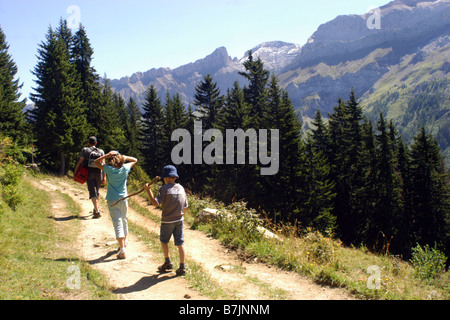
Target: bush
(237,225)
(10,177)
(428,263)
(320,249)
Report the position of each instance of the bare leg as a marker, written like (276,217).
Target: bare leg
(182,253)
(165,248)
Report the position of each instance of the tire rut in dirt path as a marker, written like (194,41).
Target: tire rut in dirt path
(134,278)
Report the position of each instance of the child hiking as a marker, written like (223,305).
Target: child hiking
(174,203)
(117,173)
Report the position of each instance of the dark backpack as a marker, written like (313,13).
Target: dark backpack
(94,155)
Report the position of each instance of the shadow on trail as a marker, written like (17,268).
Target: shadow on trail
(69,218)
(104,258)
(144,283)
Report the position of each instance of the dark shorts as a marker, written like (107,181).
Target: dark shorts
(167,229)
(94,183)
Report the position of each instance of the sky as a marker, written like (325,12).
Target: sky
(137,35)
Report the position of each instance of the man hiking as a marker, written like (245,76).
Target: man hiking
(96,176)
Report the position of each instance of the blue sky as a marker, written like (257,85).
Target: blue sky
(136,35)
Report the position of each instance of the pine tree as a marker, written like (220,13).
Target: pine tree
(81,56)
(320,134)
(386,219)
(280,189)
(365,192)
(110,134)
(121,125)
(134,129)
(405,238)
(58,119)
(208,101)
(256,92)
(345,143)
(429,191)
(316,211)
(152,132)
(12,120)
(233,178)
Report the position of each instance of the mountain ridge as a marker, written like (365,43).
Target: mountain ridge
(411,45)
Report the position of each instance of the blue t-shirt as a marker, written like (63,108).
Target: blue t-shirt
(117,181)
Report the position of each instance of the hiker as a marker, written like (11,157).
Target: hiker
(117,173)
(174,203)
(96,177)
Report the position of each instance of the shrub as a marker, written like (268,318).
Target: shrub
(428,263)
(237,226)
(10,177)
(320,249)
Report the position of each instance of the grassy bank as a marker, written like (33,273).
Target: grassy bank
(38,261)
(325,260)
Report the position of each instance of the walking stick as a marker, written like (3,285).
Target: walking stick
(135,194)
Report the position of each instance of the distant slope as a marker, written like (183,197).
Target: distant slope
(409,51)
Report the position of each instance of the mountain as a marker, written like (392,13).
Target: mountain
(275,54)
(389,56)
(346,53)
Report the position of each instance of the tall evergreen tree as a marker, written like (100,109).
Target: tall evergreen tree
(281,188)
(319,193)
(233,178)
(12,120)
(319,134)
(81,56)
(365,192)
(345,143)
(405,239)
(59,117)
(134,129)
(110,131)
(429,190)
(256,91)
(208,101)
(387,214)
(152,132)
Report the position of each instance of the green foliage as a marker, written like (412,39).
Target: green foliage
(428,262)
(12,120)
(237,226)
(209,102)
(10,174)
(10,178)
(320,249)
(414,106)
(59,115)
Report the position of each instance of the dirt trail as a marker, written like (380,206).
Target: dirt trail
(137,278)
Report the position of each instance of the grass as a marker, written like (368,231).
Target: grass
(328,262)
(37,262)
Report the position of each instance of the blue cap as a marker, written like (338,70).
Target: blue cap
(169,172)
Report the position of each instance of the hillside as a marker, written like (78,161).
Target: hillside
(412,47)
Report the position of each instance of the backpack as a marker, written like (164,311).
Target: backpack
(94,155)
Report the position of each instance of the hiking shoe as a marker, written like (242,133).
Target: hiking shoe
(122,254)
(97,215)
(165,267)
(181,271)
